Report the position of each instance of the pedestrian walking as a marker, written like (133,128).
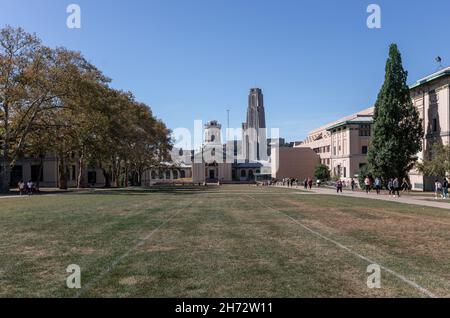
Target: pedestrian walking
(339,186)
(378,185)
(445,186)
(319,183)
(367,184)
(396,187)
(391,186)
(22,187)
(353,184)
(30,187)
(310,183)
(437,189)
(405,185)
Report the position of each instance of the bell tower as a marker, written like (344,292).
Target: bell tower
(213,133)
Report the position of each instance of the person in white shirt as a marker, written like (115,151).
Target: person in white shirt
(437,189)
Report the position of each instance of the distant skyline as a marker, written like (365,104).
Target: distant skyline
(190,60)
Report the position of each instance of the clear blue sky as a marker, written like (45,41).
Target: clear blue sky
(193,59)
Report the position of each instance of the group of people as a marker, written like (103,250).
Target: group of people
(27,187)
(308,183)
(292,182)
(441,189)
(341,184)
(289,182)
(393,186)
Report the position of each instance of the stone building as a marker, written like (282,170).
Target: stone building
(254,129)
(297,163)
(210,161)
(343,145)
(45,172)
(431,96)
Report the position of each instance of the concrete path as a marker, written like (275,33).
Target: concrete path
(407,199)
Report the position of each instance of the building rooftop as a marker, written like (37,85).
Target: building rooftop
(357,120)
(368,112)
(432,77)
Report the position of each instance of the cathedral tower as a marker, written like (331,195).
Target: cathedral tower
(254,138)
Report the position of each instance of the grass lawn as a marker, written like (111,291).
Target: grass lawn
(233,241)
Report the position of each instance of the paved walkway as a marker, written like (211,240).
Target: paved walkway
(407,199)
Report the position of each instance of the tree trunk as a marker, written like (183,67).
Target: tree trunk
(5,176)
(63,177)
(126,177)
(5,173)
(139,176)
(115,172)
(41,169)
(107,176)
(81,180)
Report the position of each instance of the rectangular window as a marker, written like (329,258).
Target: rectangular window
(435,125)
(433,96)
(37,174)
(92,177)
(365,150)
(364,131)
(16,175)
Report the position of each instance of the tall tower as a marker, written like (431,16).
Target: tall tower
(256,116)
(254,139)
(212,133)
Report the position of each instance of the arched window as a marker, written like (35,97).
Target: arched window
(168,174)
(183,174)
(243,174)
(175,174)
(161,175)
(213,138)
(153,175)
(258,171)
(213,152)
(250,174)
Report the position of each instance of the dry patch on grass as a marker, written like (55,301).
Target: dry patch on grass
(128,281)
(414,247)
(84,250)
(401,234)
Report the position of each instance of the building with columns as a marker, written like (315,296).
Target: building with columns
(45,172)
(343,145)
(431,96)
(210,162)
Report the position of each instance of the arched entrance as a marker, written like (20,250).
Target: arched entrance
(212,172)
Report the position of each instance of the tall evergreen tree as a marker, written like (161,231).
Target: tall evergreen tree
(398,131)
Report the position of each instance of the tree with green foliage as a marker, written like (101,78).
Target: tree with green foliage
(322,173)
(398,131)
(54,102)
(438,162)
